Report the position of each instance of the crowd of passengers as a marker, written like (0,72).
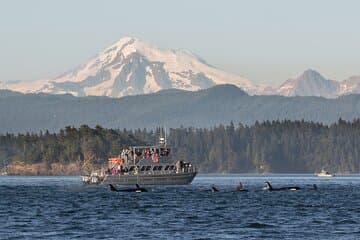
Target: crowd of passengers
(129,154)
(120,169)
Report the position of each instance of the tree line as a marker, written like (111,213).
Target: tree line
(270,146)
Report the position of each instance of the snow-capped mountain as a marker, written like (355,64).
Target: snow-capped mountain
(310,83)
(132,66)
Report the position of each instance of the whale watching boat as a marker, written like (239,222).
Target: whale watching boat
(324,173)
(144,165)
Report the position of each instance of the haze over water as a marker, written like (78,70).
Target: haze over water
(64,208)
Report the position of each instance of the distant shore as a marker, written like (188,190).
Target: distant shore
(42,169)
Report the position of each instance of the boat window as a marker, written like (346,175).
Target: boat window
(172,167)
(159,168)
(167,167)
(148,168)
(143,168)
(154,168)
(131,168)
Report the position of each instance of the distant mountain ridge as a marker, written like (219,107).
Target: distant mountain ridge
(171,108)
(132,66)
(312,83)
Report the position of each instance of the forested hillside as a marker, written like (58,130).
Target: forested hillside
(173,108)
(277,146)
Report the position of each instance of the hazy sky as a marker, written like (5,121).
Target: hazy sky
(265,41)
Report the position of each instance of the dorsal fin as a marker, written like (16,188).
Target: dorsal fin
(112,188)
(268,185)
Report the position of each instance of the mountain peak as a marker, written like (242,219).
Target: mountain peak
(127,39)
(309,83)
(132,66)
(132,43)
(310,70)
(129,45)
(310,74)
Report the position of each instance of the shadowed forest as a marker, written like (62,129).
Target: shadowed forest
(276,146)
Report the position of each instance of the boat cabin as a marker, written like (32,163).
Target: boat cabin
(146,160)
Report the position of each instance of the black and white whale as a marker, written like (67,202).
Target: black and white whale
(269,187)
(240,188)
(137,189)
(214,189)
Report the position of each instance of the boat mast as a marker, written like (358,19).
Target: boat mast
(162,139)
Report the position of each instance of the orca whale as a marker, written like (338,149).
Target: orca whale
(137,189)
(268,187)
(214,189)
(240,188)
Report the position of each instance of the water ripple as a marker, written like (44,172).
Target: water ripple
(63,208)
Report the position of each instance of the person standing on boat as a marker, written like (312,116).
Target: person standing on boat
(136,170)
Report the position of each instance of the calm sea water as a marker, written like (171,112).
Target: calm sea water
(63,208)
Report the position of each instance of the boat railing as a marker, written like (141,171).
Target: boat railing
(152,171)
(98,173)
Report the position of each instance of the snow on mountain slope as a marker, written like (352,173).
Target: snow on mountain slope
(132,66)
(310,83)
(26,86)
(350,85)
